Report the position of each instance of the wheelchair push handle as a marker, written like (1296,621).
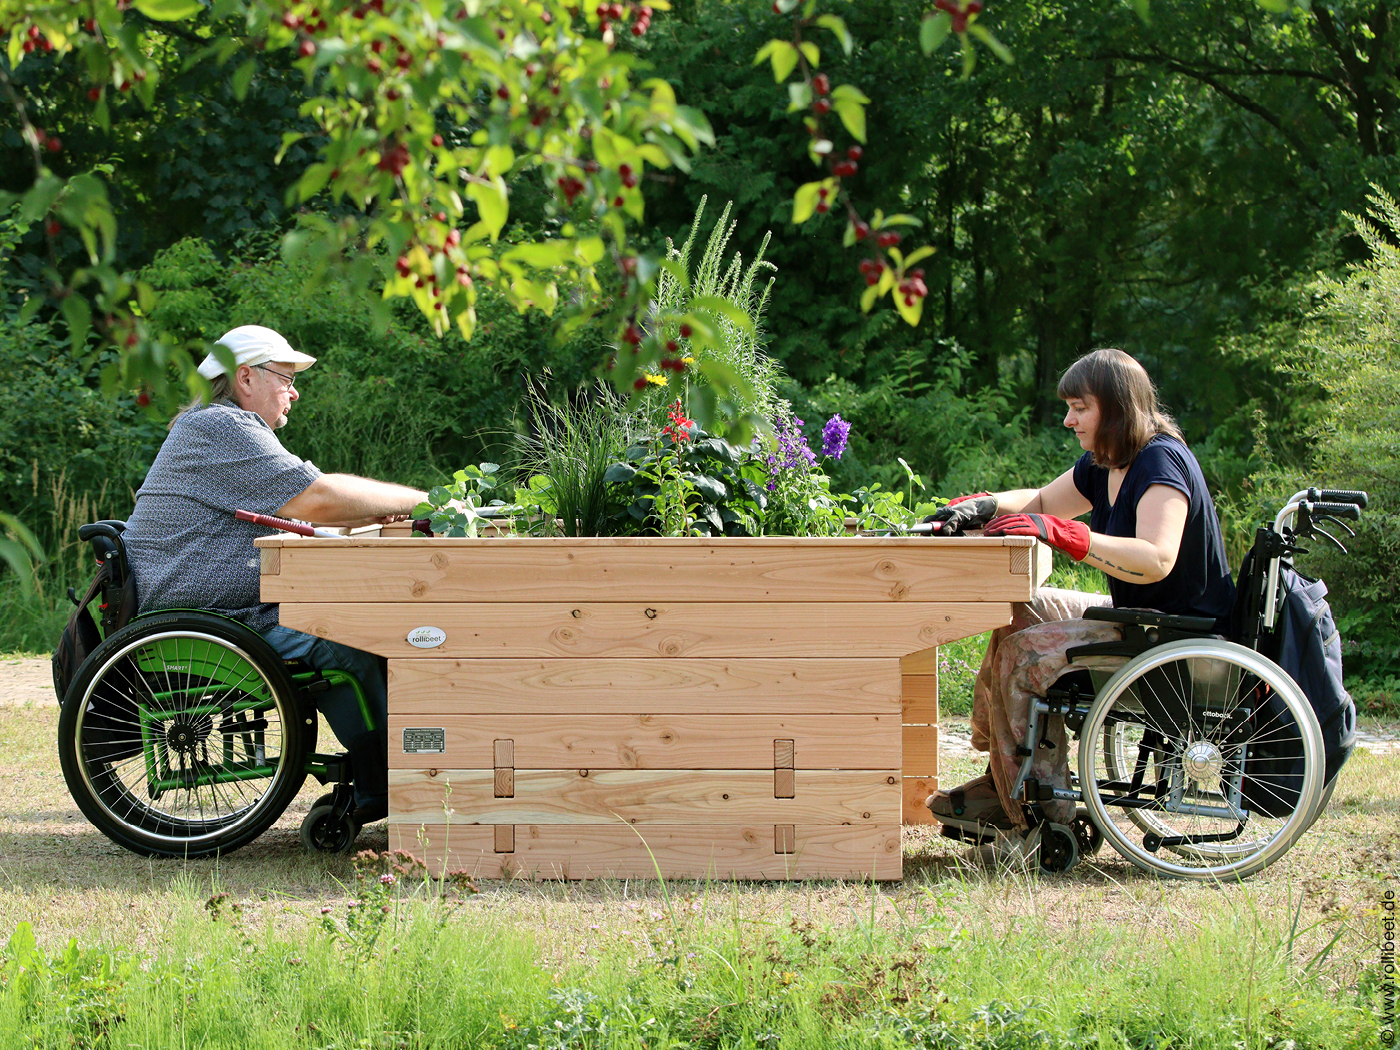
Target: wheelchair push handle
(111,529)
(272,522)
(1350,511)
(1329,496)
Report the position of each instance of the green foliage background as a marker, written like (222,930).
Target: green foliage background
(1177,188)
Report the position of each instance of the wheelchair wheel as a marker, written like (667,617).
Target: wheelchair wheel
(1169,753)
(182,735)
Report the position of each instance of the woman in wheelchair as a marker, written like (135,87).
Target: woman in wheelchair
(1152,530)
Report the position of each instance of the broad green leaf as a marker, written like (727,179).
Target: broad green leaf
(812,53)
(717,304)
(934,30)
(542,256)
(917,254)
(852,115)
(783,57)
(288,138)
(40,197)
(910,313)
(492,202)
(499,160)
(799,96)
(78,314)
(168,10)
(804,201)
(838,27)
(1144,8)
(994,45)
(969,56)
(242,77)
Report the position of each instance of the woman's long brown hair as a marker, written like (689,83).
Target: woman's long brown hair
(1129,415)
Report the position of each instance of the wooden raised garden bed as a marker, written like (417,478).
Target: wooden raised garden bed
(745,708)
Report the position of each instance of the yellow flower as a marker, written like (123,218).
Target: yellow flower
(687,360)
(656,380)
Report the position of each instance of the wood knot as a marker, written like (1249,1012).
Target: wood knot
(583,772)
(651,614)
(886,567)
(724,796)
(898,591)
(439,560)
(419,589)
(891,780)
(432,772)
(865,816)
(576,613)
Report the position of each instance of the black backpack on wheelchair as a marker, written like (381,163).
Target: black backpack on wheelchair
(182,733)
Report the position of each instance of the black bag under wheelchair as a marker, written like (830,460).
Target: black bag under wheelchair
(182,733)
(1201,756)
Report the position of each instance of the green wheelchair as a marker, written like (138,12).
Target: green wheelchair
(182,733)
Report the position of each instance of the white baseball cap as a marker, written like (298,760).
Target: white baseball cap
(252,345)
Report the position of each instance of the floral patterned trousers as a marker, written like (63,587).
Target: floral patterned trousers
(1023,659)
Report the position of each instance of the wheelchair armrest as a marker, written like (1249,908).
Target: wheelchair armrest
(1151,618)
(1124,648)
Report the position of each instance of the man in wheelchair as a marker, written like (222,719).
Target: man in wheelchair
(1176,731)
(187,551)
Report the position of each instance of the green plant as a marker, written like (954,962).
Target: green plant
(728,294)
(455,509)
(564,455)
(76,996)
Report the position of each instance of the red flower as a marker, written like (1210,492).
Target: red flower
(679,428)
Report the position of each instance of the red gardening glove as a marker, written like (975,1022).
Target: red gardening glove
(1072,537)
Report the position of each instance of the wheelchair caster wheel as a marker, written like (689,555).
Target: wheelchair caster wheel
(326,831)
(1054,846)
(1087,835)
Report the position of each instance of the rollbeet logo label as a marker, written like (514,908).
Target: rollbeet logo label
(426,637)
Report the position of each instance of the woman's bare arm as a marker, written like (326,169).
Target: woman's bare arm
(1150,555)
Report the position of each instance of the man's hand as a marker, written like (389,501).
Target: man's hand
(1072,537)
(963,513)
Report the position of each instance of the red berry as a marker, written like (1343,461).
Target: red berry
(862,230)
(140,74)
(617,201)
(974,7)
(143,399)
(821,107)
(377,46)
(959,21)
(95,94)
(633,335)
(132,339)
(639,28)
(33,32)
(54,144)
(823,207)
(639,383)
(503,93)
(629,177)
(777,10)
(402,264)
(888,239)
(437,140)
(454,238)
(392,95)
(306,50)
(686,331)
(125,86)
(672,346)
(52,228)
(844,168)
(821,84)
(872,278)
(291,21)
(419,283)
(854,153)
(404,60)
(90,25)
(27,47)
(374,65)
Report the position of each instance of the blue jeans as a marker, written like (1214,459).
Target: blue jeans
(338,704)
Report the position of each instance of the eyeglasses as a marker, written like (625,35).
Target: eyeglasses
(291,380)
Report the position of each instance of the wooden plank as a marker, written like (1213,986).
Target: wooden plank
(773,569)
(667,630)
(920,698)
(502,754)
(916,790)
(784,838)
(271,561)
(681,686)
(647,741)
(505,838)
(921,751)
(587,851)
(642,796)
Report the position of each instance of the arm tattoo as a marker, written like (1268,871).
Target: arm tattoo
(1109,565)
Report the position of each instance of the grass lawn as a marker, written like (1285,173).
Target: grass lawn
(264,948)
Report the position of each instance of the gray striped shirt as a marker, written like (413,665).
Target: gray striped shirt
(187,550)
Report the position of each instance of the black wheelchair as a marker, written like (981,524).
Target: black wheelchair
(1199,757)
(182,733)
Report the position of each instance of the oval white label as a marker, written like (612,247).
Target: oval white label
(426,637)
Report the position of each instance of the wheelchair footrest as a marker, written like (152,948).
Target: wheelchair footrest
(329,769)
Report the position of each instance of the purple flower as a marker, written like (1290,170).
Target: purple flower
(834,436)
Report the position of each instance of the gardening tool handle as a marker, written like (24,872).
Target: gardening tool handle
(272,522)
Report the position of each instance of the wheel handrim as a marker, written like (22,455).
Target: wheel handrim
(181,737)
(1199,757)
